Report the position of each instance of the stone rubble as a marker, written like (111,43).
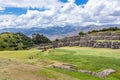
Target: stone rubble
(70,67)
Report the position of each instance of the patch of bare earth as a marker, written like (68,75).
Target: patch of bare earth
(11,70)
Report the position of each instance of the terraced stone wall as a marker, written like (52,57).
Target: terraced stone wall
(89,40)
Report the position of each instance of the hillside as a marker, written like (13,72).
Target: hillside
(51,32)
(14,41)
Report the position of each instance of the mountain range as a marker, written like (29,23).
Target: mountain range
(56,32)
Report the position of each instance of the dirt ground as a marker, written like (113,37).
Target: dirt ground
(11,70)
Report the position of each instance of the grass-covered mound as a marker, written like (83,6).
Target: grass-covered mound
(14,41)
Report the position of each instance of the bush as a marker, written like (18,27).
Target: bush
(5,40)
(81,33)
(16,48)
(24,47)
(13,45)
(3,46)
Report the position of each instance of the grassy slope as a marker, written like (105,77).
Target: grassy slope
(84,58)
(10,70)
(89,59)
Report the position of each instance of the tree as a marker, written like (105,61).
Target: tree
(56,39)
(81,33)
(37,38)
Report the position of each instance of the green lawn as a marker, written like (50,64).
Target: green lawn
(21,56)
(94,59)
(108,40)
(88,58)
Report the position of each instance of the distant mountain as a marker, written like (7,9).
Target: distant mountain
(56,32)
(46,31)
(50,32)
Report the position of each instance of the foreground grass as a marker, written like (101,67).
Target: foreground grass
(94,59)
(87,58)
(22,55)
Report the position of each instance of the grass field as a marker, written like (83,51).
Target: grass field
(31,63)
(108,40)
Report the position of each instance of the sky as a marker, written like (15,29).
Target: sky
(51,13)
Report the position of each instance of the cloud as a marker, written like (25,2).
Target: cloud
(104,11)
(1,9)
(7,21)
(71,1)
(30,3)
(96,12)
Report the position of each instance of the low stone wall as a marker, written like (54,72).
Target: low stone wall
(101,74)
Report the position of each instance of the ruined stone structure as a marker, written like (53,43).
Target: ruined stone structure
(98,40)
(70,67)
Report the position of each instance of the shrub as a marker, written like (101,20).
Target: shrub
(16,48)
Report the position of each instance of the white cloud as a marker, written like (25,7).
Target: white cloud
(30,3)
(1,9)
(7,21)
(105,11)
(72,1)
(98,12)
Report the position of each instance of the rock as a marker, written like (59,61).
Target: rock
(70,67)
(85,71)
(102,74)
(105,73)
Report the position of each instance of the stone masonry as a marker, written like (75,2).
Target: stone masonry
(109,40)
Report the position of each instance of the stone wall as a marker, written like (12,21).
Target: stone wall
(104,36)
(111,40)
(110,44)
